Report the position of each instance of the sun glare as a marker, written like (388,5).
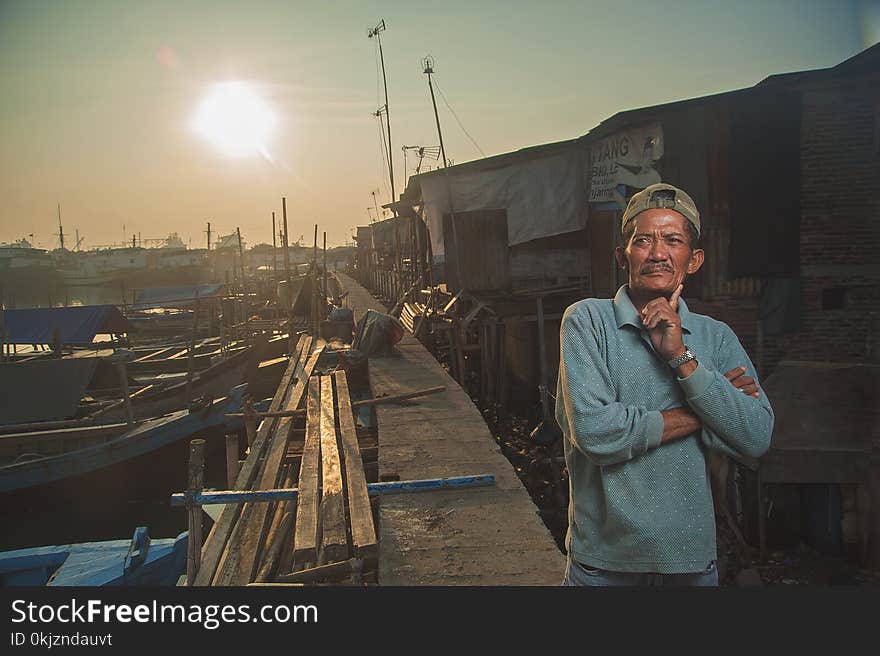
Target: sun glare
(235,120)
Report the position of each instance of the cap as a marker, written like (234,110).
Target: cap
(659,196)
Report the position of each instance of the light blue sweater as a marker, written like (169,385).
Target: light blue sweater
(637,505)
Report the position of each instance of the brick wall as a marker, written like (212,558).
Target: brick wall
(840,227)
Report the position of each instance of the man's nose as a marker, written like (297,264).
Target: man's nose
(658,250)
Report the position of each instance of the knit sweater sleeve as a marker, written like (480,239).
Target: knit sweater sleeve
(734,423)
(605,430)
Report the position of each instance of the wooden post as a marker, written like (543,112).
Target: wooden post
(2,329)
(288,299)
(398,265)
(324,304)
(232,465)
(241,260)
(315,285)
(190,348)
(484,358)
(123,383)
(274,260)
(762,516)
(250,421)
(196,477)
(542,358)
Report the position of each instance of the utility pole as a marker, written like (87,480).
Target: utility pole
(60,228)
(325,270)
(375,32)
(209,235)
(241,257)
(428,63)
(286,245)
(274,256)
(315,286)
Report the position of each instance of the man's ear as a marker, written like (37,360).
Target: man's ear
(696,262)
(620,256)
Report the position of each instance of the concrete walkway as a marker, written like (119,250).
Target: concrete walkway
(478,536)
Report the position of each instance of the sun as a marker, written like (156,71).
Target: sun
(235,120)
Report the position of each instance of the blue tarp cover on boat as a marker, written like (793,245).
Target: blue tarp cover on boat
(76,325)
(176,297)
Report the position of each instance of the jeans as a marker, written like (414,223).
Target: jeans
(577,574)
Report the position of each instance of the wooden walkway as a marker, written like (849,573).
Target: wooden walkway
(480,536)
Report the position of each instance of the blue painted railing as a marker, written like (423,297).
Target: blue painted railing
(291,493)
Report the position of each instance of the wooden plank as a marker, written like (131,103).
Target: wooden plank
(363,532)
(214,546)
(330,571)
(228,524)
(305,537)
(334,545)
(240,565)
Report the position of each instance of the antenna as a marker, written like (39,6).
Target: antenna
(431,152)
(428,65)
(378,213)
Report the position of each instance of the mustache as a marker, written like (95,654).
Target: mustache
(656,267)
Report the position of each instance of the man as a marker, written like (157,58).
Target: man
(641,400)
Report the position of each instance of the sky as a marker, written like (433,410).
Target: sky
(102,101)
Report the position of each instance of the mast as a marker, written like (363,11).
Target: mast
(375,32)
(60,227)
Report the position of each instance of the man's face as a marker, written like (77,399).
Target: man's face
(658,256)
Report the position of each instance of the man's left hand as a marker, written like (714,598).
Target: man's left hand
(745,384)
(660,317)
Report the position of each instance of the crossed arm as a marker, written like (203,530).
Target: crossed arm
(681,422)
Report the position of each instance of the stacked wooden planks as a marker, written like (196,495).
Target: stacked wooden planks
(334,520)
(238,539)
(410,314)
(328,532)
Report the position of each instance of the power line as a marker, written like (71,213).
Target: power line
(457,120)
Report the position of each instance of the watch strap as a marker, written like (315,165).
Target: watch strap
(687,356)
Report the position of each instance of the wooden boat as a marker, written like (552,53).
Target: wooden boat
(139,561)
(40,458)
(168,392)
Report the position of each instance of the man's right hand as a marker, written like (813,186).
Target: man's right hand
(746,384)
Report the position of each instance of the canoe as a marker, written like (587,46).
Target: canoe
(139,561)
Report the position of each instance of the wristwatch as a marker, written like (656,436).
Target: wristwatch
(687,356)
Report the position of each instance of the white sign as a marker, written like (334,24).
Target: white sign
(625,158)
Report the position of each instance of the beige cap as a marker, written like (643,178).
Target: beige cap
(659,196)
